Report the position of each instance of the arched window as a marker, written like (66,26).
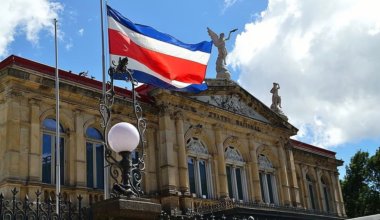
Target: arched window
(267,180)
(199,168)
(310,186)
(326,194)
(95,158)
(236,177)
(49,151)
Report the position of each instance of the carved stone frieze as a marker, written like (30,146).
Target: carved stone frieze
(232,103)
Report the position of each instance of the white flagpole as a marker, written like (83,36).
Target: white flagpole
(106,187)
(57,140)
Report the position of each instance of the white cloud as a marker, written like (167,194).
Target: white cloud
(81,32)
(227,4)
(69,45)
(325,55)
(26,17)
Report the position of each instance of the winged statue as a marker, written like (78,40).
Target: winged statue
(220,43)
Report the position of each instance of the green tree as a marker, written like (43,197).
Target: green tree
(361,185)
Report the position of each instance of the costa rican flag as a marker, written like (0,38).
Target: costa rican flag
(157,58)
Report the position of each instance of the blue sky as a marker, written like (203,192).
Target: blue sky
(324,54)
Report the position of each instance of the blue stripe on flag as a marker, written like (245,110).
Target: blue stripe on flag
(204,46)
(149,79)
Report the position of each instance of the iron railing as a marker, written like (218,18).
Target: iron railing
(14,209)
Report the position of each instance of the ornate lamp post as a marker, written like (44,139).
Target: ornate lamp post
(123,138)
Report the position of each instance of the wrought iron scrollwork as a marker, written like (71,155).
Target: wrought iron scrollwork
(132,186)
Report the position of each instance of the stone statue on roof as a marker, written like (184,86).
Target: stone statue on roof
(220,43)
(276,100)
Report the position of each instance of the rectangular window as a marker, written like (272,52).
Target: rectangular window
(262,176)
(270,188)
(62,160)
(46,158)
(311,196)
(90,162)
(191,170)
(239,183)
(203,177)
(229,181)
(99,166)
(326,199)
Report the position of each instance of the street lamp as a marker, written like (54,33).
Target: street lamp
(123,138)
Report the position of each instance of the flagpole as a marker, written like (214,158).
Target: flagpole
(57,126)
(106,188)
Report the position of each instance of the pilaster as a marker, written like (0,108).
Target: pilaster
(283,174)
(293,177)
(255,170)
(182,159)
(12,136)
(304,170)
(320,196)
(223,190)
(34,164)
(80,148)
(151,175)
(167,165)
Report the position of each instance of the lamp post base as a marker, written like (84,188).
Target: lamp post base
(124,208)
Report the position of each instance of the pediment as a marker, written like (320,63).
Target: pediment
(230,96)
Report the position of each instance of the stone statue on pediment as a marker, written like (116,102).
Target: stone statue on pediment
(220,43)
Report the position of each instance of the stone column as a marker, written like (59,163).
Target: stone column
(167,166)
(293,177)
(255,170)
(284,175)
(223,190)
(34,165)
(182,158)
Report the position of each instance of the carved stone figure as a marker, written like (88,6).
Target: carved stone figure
(276,99)
(220,43)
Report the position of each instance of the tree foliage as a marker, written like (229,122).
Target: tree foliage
(361,185)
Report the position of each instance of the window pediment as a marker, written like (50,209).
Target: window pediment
(233,155)
(195,146)
(264,163)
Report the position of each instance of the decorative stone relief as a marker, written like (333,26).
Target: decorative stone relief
(231,103)
(232,154)
(194,145)
(264,163)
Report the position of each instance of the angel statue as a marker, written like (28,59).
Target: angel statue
(220,43)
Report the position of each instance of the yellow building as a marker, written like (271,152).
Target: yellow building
(219,148)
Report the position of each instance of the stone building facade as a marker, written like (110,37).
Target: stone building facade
(202,149)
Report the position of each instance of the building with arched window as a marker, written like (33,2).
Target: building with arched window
(221,151)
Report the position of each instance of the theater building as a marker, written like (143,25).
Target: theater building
(221,150)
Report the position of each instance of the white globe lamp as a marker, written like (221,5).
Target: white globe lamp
(123,137)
